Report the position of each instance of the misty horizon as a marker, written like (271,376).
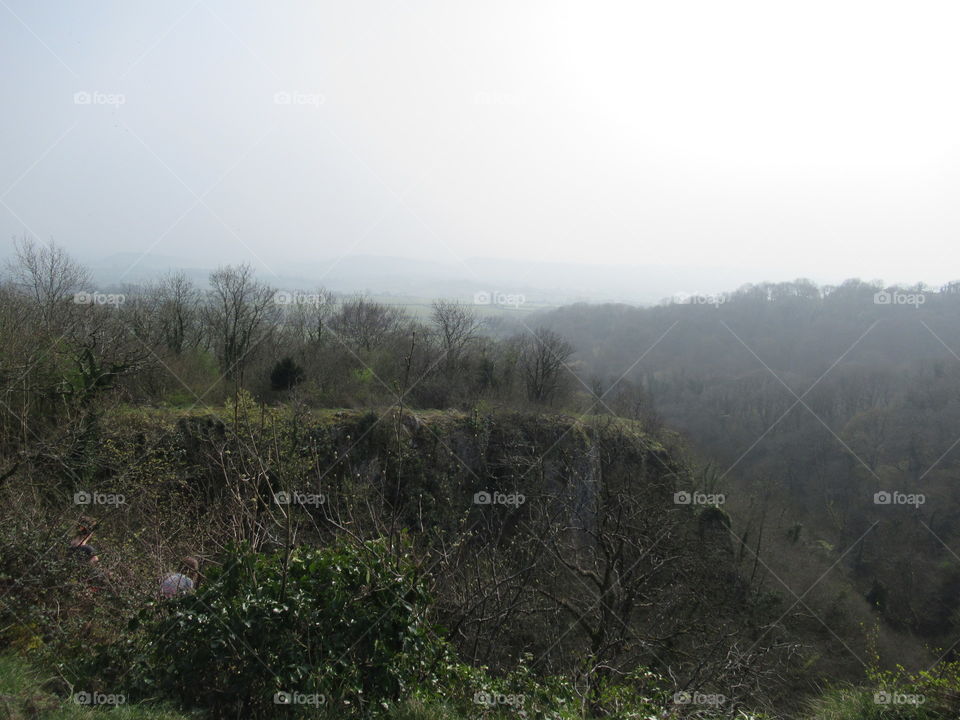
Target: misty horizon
(543,283)
(628,136)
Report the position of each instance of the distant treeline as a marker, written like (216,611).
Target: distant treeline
(68,346)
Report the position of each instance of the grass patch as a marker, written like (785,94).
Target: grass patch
(24,696)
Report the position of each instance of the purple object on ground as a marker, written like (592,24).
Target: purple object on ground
(174,584)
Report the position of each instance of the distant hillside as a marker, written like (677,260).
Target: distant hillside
(830,416)
(540,283)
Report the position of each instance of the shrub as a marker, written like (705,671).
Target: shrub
(285,374)
(342,625)
(46,595)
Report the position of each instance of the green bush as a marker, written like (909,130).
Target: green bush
(341,627)
(286,374)
(46,596)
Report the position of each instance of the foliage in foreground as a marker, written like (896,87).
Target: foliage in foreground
(341,626)
(338,631)
(895,695)
(23,696)
(342,631)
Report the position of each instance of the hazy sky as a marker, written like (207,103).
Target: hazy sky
(794,139)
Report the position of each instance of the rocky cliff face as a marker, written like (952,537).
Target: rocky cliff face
(541,533)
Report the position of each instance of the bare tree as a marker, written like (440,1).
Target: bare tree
(47,274)
(364,324)
(306,316)
(457,327)
(241,314)
(102,348)
(178,309)
(543,356)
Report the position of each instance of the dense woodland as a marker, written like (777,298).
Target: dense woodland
(808,401)
(596,595)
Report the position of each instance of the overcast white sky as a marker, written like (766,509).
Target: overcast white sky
(790,139)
